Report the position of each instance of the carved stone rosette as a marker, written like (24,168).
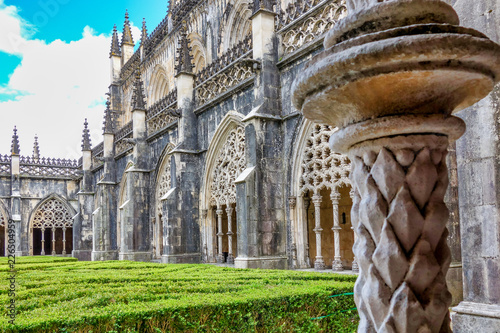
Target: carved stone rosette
(390,77)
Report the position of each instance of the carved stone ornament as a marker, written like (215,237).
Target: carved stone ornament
(391,75)
(52,214)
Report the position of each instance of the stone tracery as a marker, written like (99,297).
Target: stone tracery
(230,163)
(323,169)
(53,214)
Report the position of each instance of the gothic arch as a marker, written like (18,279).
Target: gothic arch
(122,200)
(4,221)
(159,86)
(229,136)
(163,185)
(237,25)
(319,186)
(53,212)
(198,52)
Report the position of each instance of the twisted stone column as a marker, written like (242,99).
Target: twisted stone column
(337,260)
(220,256)
(230,256)
(355,207)
(401,219)
(319,263)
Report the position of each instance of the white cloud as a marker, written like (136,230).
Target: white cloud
(61,84)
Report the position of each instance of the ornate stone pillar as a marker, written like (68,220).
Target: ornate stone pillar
(390,77)
(64,240)
(230,256)
(220,256)
(307,202)
(319,263)
(337,260)
(292,203)
(53,241)
(355,206)
(43,241)
(204,214)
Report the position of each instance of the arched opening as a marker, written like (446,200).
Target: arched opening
(224,163)
(163,185)
(198,52)
(321,223)
(52,228)
(159,85)
(237,26)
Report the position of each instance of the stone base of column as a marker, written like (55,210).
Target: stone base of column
(261,262)
(355,267)
(319,264)
(185,258)
(103,255)
(230,259)
(136,256)
(476,317)
(337,265)
(220,258)
(82,255)
(21,253)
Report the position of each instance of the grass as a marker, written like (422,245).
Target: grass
(63,295)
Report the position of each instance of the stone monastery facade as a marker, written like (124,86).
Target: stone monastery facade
(205,159)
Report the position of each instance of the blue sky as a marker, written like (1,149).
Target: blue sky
(54,67)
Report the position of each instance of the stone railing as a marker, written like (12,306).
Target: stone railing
(225,72)
(305,20)
(162,113)
(122,145)
(5,161)
(158,34)
(131,65)
(181,9)
(49,167)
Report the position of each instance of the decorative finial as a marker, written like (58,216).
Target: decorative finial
(184,60)
(86,145)
(36,149)
(138,99)
(115,44)
(108,119)
(127,32)
(144,32)
(14,148)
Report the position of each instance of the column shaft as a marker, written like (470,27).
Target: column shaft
(43,242)
(220,256)
(64,240)
(230,256)
(319,263)
(53,241)
(337,261)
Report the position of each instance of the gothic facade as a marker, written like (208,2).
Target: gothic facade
(204,157)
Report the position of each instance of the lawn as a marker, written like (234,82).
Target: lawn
(64,295)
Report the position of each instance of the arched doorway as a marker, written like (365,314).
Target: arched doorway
(225,162)
(52,228)
(321,223)
(163,185)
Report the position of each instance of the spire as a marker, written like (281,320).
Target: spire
(115,45)
(184,60)
(127,32)
(108,120)
(138,99)
(144,32)
(36,149)
(86,136)
(14,148)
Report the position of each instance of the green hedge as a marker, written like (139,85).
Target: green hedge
(58,295)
